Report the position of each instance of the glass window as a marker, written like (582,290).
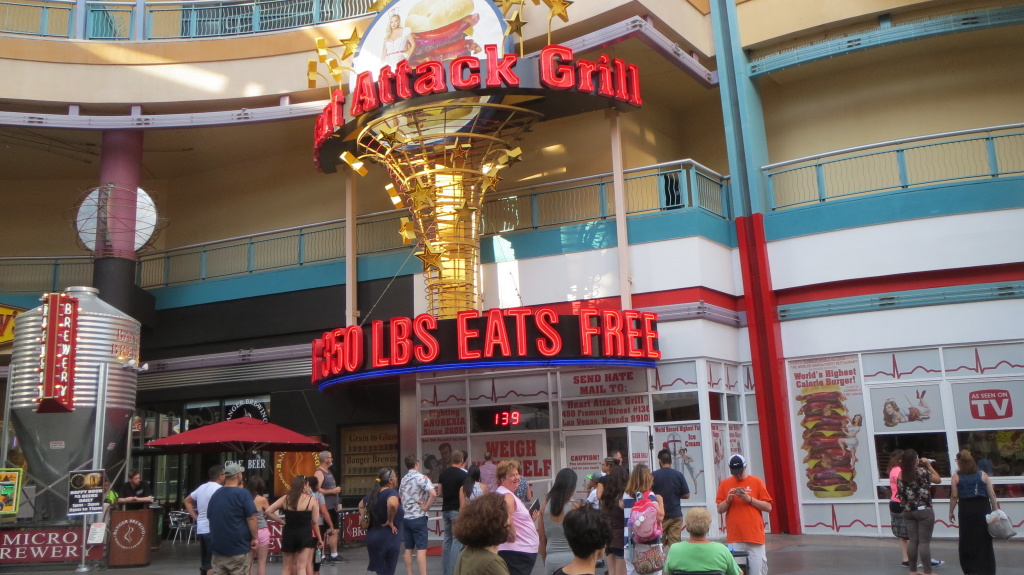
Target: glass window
(930,445)
(676,406)
(999,453)
(202,413)
(733,407)
(750,401)
(716,403)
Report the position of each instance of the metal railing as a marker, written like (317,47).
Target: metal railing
(651,189)
(976,154)
(38,18)
(114,20)
(668,186)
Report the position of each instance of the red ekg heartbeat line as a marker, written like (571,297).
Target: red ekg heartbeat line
(749,385)
(658,386)
(897,373)
(981,369)
(494,397)
(733,383)
(712,382)
(433,401)
(835,526)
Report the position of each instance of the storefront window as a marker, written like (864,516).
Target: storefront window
(202,413)
(998,452)
(732,407)
(676,406)
(930,445)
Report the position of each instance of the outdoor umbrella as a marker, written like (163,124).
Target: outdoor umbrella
(242,435)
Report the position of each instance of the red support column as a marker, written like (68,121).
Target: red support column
(772,393)
(120,166)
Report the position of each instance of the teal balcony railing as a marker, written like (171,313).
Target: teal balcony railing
(652,189)
(116,20)
(895,165)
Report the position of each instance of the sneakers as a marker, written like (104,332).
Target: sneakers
(337,559)
(935,563)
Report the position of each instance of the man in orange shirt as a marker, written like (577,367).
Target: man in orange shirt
(742,498)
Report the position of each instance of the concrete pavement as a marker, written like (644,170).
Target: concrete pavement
(787,554)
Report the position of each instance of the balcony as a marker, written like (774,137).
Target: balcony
(664,188)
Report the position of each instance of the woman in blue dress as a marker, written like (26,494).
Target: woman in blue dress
(384,537)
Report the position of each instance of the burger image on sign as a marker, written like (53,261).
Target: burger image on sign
(440,30)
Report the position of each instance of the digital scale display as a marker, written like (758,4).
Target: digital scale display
(509,417)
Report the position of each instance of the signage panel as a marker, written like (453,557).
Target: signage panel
(57,354)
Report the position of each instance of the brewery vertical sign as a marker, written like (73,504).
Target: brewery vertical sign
(57,354)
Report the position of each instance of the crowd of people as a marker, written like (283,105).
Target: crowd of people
(632,522)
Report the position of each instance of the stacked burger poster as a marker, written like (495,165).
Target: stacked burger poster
(828,415)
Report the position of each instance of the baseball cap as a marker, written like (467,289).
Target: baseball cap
(591,476)
(233,469)
(737,462)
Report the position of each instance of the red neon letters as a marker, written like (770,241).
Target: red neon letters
(508,334)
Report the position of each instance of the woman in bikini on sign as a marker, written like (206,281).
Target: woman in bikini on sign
(399,42)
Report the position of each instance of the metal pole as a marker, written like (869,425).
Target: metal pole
(621,231)
(7,423)
(82,567)
(351,260)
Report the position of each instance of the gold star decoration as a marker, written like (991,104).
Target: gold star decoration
(490,182)
(459,152)
(377,6)
(407,230)
(465,211)
(390,136)
(558,8)
(513,156)
(507,5)
(351,44)
(420,195)
(515,24)
(430,257)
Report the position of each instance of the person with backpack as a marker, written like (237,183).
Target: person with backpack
(644,512)
(611,509)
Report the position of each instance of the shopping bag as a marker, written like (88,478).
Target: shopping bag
(648,558)
(999,525)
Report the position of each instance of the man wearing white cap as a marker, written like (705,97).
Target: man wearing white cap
(232,516)
(742,498)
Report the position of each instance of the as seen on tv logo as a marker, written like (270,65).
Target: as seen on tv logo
(991,404)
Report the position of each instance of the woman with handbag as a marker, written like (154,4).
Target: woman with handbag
(645,555)
(973,491)
(915,491)
(384,537)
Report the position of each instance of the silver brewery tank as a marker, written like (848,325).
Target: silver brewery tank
(56,443)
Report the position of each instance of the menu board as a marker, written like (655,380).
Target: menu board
(364,451)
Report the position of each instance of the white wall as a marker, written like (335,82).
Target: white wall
(896,328)
(947,242)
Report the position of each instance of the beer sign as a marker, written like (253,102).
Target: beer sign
(57,354)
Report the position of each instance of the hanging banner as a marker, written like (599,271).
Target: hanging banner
(85,492)
(57,354)
(828,408)
(10,491)
(684,443)
(584,454)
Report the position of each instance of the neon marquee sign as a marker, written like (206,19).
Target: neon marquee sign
(498,337)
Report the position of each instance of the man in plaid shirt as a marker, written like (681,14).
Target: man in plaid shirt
(418,494)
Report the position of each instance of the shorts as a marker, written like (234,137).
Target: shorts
(333,514)
(899,525)
(619,552)
(414,532)
(263,537)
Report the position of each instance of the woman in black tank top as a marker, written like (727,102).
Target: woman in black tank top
(301,533)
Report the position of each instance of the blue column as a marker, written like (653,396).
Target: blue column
(741,109)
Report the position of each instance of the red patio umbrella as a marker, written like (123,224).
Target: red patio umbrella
(243,434)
